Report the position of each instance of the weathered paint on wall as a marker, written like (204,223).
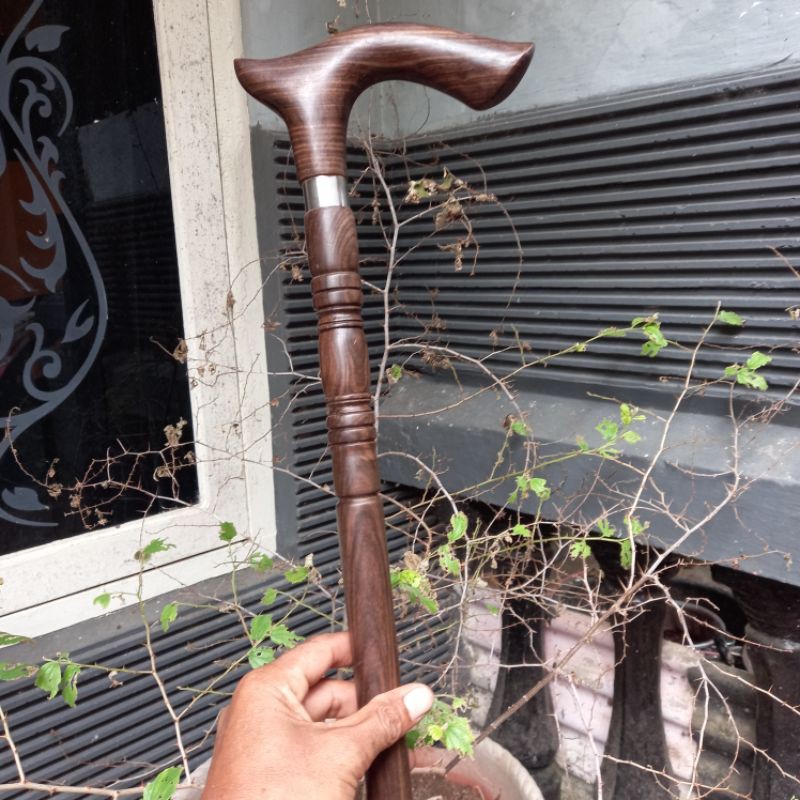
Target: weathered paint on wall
(584,48)
(587,48)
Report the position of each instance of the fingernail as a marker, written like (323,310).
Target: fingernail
(418,701)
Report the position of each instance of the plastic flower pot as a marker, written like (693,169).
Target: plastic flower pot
(494,772)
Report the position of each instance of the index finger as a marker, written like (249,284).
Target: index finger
(305,665)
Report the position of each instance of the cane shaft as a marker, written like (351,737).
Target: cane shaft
(313,91)
(344,367)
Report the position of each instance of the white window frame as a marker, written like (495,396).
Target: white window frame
(208,142)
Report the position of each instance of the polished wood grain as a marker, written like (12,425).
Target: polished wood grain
(344,368)
(314,90)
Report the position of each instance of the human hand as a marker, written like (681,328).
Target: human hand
(273,741)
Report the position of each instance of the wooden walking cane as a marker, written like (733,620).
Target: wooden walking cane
(314,91)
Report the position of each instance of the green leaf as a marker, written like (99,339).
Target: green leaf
(607,530)
(656,341)
(610,452)
(155,546)
(458,736)
(751,379)
(631,437)
(448,561)
(730,318)
(269,597)
(227,531)
(102,600)
(261,562)
(13,672)
(416,587)
(747,375)
(168,615)
(458,527)
(625,414)
(413,738)
(259,656)
(283,637)
(651,349)
(447,180)
(653,332)
(519,427)
(164,785)
(428,603)
(583,445)
(608,429)
(435,732)
(297,574)
(757,360)
(521,531)
(521,482)
(539,487)
(398,576)
(69,684)
(580,549)
(260,626)
(625,553)
(10,638)
(636,526)
(48,678)
(394,373)
(417,190)
(493,610)
(442,724)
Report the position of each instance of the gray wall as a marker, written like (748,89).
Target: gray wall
(585,48)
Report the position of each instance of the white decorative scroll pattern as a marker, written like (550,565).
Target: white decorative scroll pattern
(36,108)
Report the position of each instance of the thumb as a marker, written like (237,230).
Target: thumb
(385,719)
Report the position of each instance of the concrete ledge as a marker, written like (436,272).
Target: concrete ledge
(459,428)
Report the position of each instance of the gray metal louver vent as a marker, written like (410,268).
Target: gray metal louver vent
(664,201)
(667,201)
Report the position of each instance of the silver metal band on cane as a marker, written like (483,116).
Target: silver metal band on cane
(323,191)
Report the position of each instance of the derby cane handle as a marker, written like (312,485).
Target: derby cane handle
(314,91)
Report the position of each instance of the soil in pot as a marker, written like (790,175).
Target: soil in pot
(433,786)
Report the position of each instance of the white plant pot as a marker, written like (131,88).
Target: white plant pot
(497,774)
(494,771)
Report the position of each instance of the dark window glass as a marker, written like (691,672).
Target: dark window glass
(89,298)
